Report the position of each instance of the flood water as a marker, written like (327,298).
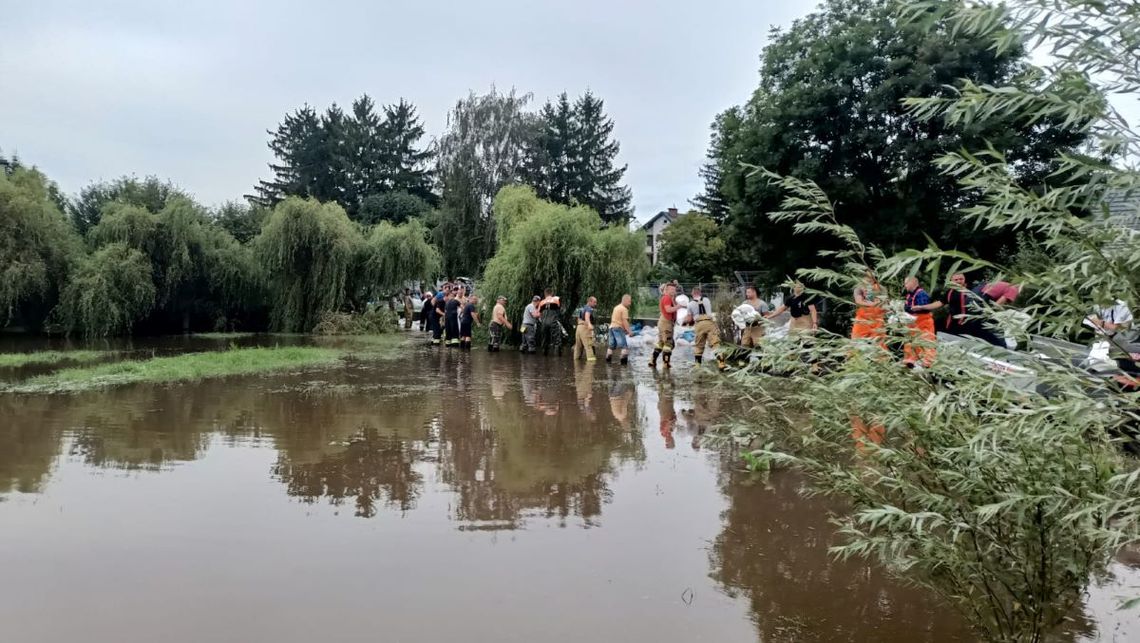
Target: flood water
(440,496)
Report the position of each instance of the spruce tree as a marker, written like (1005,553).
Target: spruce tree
(597,181)
(711,200)
(552,151)
(296,143)
(405,166)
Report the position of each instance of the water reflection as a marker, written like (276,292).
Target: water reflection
(372,469)
(773,551)
(439,441)
(511,438)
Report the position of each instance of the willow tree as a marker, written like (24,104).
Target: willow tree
(308,250)
(392,256)
(38,247)
(203,277)
(548,245)
(108,294)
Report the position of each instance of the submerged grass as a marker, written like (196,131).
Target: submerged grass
(180,368)
(15,360)
(202,365)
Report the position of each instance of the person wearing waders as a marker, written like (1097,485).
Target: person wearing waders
(467,318)
(550,330)
(498,323)
(439,312)
(704,325)
(426,311)
(921,349)
(530,326)
(407,309)
(584,331)
(665,322)
(620,330)
(451,320)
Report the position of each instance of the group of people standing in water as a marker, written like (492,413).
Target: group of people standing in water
(963,306)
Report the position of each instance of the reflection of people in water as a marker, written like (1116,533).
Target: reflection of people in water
(665,412)
(584,387)
(620,396)
(700,417)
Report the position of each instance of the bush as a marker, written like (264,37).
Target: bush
(373,322)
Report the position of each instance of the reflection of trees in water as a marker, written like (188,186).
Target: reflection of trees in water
(547,446)
(372,468)
(773,549)
(29,443)
(541,442)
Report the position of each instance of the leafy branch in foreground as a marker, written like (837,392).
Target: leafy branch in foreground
(1005,490)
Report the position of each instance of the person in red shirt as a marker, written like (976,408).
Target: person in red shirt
(665,327)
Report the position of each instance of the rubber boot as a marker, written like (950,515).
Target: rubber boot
(666,357)
(624,360)
(609,358)
(720,363)
(698,358)
(653,360)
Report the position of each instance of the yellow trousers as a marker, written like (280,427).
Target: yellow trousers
(583,342)
(706,332)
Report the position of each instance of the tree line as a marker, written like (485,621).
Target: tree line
(377,166)
(358,204)
(830,108)
(152,260)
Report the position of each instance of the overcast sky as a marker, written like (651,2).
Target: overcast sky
(186,91)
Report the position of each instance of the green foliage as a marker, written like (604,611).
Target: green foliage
(180,368)
(376,321)
(350,158)
(38,247)
(482,151)
(109,293)
(205,278)
(308,250)
(241,220)
(394,207)
(1006,502)
(570,158)
(828,109)
(150,193)
(16,360)
(391,257)
(693,244)
(564,248)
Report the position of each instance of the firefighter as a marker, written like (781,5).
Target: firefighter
(549,326)
(703,321)
(584,331)
(668,317)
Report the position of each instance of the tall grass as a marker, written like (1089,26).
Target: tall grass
(180,368)
(15,360)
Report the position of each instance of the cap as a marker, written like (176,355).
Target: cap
(536,298)
(500,298)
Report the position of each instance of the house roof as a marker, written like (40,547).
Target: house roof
(670,215)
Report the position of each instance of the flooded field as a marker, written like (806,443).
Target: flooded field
(439,496)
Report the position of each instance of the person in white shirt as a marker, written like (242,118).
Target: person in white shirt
(1113,319)
(703,320)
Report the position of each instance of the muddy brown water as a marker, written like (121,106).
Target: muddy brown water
(439,496)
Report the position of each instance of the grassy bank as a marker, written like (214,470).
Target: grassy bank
(180,368)
(15,360)
(208,364)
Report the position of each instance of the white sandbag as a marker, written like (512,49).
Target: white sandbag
(744,315)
